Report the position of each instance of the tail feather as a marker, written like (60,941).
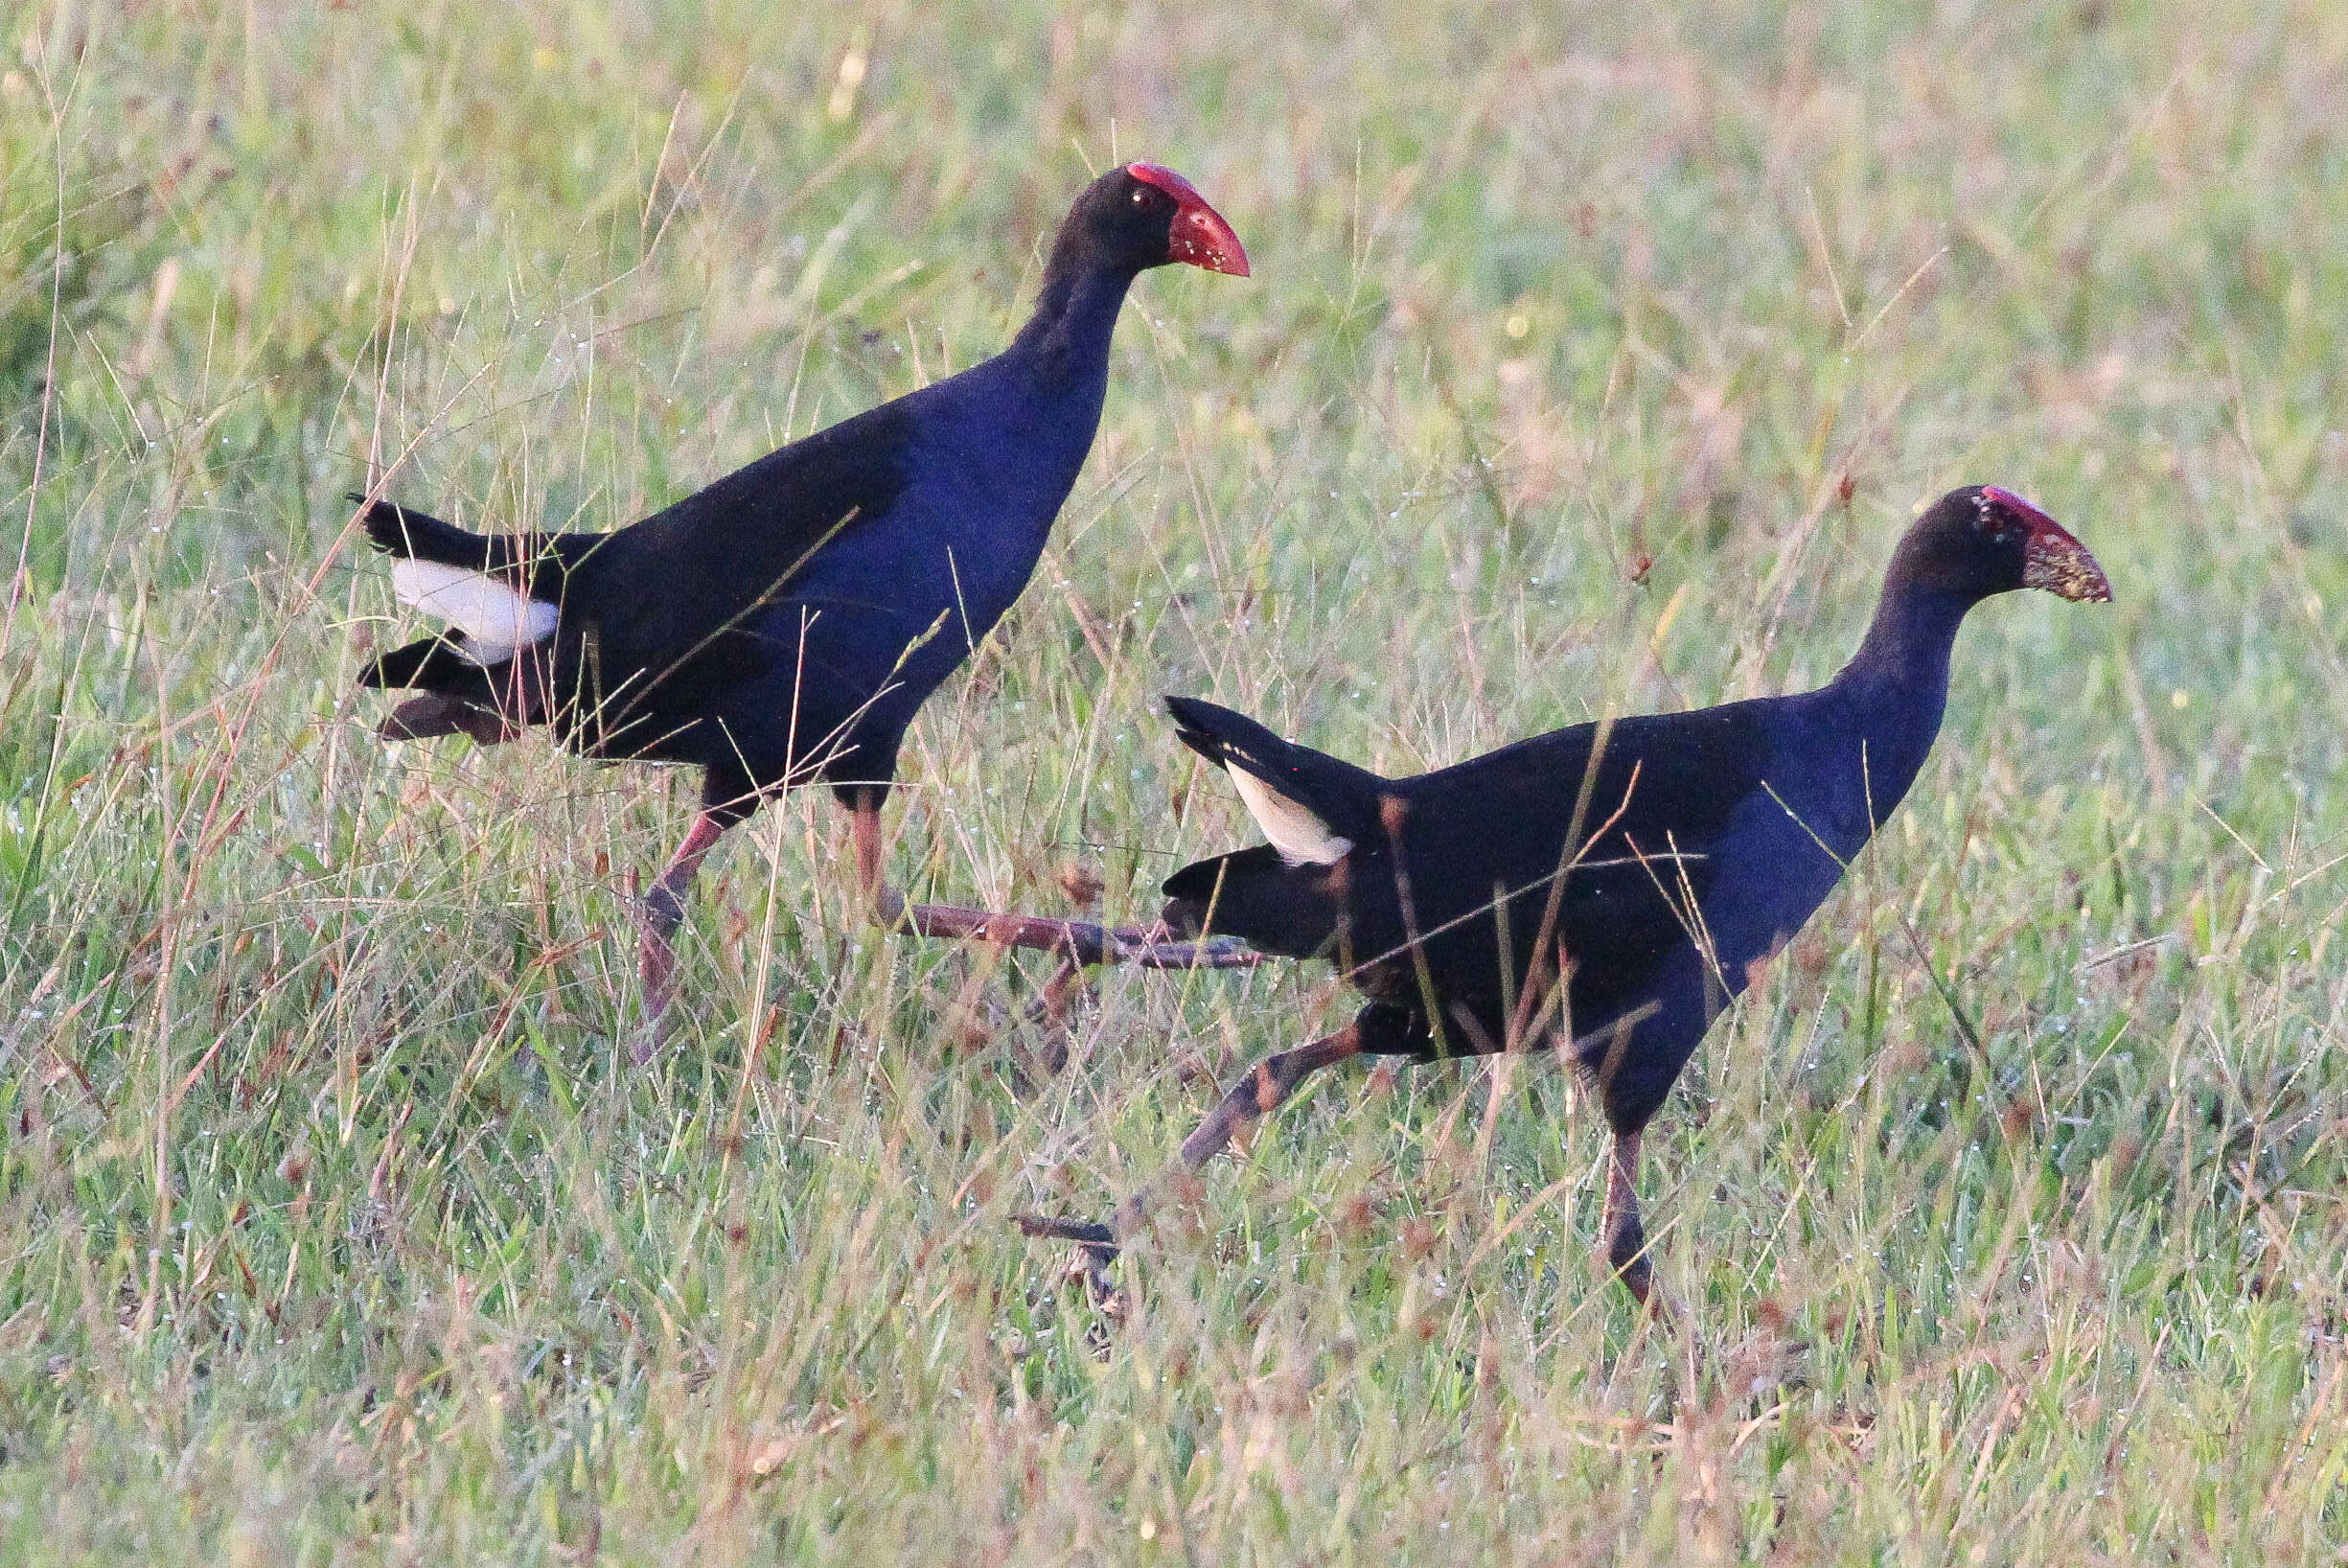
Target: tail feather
(1224,737)
(1257,895)
(416,535)
(480,584)
(436,713)
(490,703)
(428,662)
(1313,807)
(516,687)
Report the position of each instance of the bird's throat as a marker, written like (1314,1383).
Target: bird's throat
(1074,320)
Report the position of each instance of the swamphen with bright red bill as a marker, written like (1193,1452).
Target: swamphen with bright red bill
(783,625)
(1650,860)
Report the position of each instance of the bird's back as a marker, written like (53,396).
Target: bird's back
(1600,847)
(809,602)
(1591,846)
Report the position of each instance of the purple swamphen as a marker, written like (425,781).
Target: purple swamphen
(1651,862)
(782,626)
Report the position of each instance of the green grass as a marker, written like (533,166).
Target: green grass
(333,1225)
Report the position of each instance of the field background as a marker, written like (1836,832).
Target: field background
(1595,357)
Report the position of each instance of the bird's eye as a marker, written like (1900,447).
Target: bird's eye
(1141,196)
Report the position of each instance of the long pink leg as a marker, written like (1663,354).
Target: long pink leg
(1625,1238)
(1264,1087)
(884,903)
(657,918)
(1081,943)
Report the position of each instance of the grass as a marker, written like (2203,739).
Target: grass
(1594,358)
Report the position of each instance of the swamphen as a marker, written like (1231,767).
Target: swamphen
(783,625)
(1649,861)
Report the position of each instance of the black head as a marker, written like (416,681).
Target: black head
(1981,540)
(1139,216)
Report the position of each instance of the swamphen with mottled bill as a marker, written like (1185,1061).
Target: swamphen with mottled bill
(783,625)
(1651,862)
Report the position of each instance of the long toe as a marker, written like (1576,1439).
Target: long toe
(1095,1254)
(1088,1231)
(1091,1264)
(650,1038)
(1639,1279)
(1626,1256)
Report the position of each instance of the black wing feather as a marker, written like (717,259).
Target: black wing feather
(675,601)
(1631,825)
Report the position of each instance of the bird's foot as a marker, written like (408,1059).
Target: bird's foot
(658,914)
(1625,1255)
(1047,1012)
(647,1041)
(1085,943)
(650,1038)
(1210,953)
(1059,993)
(1079,944)
(1095,1252)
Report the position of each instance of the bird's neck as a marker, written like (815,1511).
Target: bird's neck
(1895,687)
(1908,643)
(1075,316)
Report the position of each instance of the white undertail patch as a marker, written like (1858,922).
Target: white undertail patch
(495,617)
(1295,830)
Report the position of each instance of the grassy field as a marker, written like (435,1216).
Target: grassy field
(1594,358)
